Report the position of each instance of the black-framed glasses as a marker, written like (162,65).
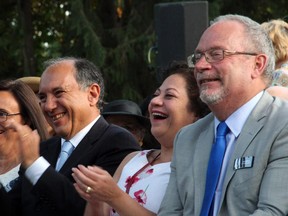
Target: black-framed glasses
(3,116)
(214,55)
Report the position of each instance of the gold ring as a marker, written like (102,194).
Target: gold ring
(88,189)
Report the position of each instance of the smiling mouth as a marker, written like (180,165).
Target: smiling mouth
(58,116)
(203,81)
(159,116)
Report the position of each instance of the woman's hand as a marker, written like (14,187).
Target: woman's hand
(95,184)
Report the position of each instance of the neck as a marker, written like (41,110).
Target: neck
(229,105)
(165,155)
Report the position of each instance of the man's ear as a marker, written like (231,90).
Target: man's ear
(94,94)
(260,65)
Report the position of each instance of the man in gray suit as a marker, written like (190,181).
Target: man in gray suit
(233,63)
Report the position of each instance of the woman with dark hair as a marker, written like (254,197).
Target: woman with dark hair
(142,177)
(17,102)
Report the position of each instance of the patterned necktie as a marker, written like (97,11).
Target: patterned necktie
(66,150)
(214,168)
(11,184)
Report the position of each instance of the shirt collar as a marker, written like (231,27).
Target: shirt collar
(238,118)
(81,134)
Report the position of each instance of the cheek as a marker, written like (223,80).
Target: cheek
(186,118)
(2,140)
(8,141)
(239,81)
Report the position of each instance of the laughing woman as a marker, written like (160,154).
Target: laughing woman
(140,181)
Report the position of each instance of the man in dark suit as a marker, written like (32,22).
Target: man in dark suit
(71,94)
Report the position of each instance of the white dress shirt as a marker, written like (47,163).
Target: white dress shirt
(9,176)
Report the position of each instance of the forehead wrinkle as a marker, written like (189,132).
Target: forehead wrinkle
(210,48)
(225,33)
(171,89)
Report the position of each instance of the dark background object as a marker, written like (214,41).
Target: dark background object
(178,29)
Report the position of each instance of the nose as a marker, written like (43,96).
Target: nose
(201,65)
(49,104)
(155,101)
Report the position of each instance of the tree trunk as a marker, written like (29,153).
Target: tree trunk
(27,29)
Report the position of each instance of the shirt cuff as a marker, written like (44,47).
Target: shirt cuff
(35,171)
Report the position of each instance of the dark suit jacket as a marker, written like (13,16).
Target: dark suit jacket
(54,194)
(6,208)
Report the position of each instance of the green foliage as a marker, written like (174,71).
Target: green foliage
(115,34)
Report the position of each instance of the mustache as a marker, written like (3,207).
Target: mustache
(206,76)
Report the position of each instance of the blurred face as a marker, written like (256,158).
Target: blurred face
(230,78)
(67,108)
(128,122)
(8,137)
(169,109)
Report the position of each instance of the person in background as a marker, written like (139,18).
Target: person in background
(140,181)
(127,114)
(234,161)
(277,30)
(71,93)
(33,82)
(278,91)
(17,102)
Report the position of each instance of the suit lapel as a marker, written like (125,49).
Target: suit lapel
(50,150)
(87,143)
(252,126)
(201,157)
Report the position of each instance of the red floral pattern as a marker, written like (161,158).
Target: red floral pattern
(140,197)
(144,182)
(130,181)
(150,171)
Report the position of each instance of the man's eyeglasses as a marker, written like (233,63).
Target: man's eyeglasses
(3,116)
(214,55)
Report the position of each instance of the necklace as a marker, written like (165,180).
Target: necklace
(132,179)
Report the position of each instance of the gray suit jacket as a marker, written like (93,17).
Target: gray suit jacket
(259,190)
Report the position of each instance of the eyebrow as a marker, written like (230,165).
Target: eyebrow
(4,111)
(53,90)
(171,89)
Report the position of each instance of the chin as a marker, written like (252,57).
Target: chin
(211,97)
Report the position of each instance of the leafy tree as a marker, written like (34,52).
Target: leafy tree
(115,34)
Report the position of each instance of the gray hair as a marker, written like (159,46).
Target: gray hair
(86,74)
(257,39)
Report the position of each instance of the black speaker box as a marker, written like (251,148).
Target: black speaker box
(178,27)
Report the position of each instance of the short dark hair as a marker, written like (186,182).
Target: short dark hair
(196,104)
(87,73)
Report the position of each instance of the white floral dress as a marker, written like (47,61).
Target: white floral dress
(150,185)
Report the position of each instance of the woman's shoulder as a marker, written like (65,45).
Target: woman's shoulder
(128,159)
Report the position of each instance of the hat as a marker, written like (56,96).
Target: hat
(125,107)
(31,81)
